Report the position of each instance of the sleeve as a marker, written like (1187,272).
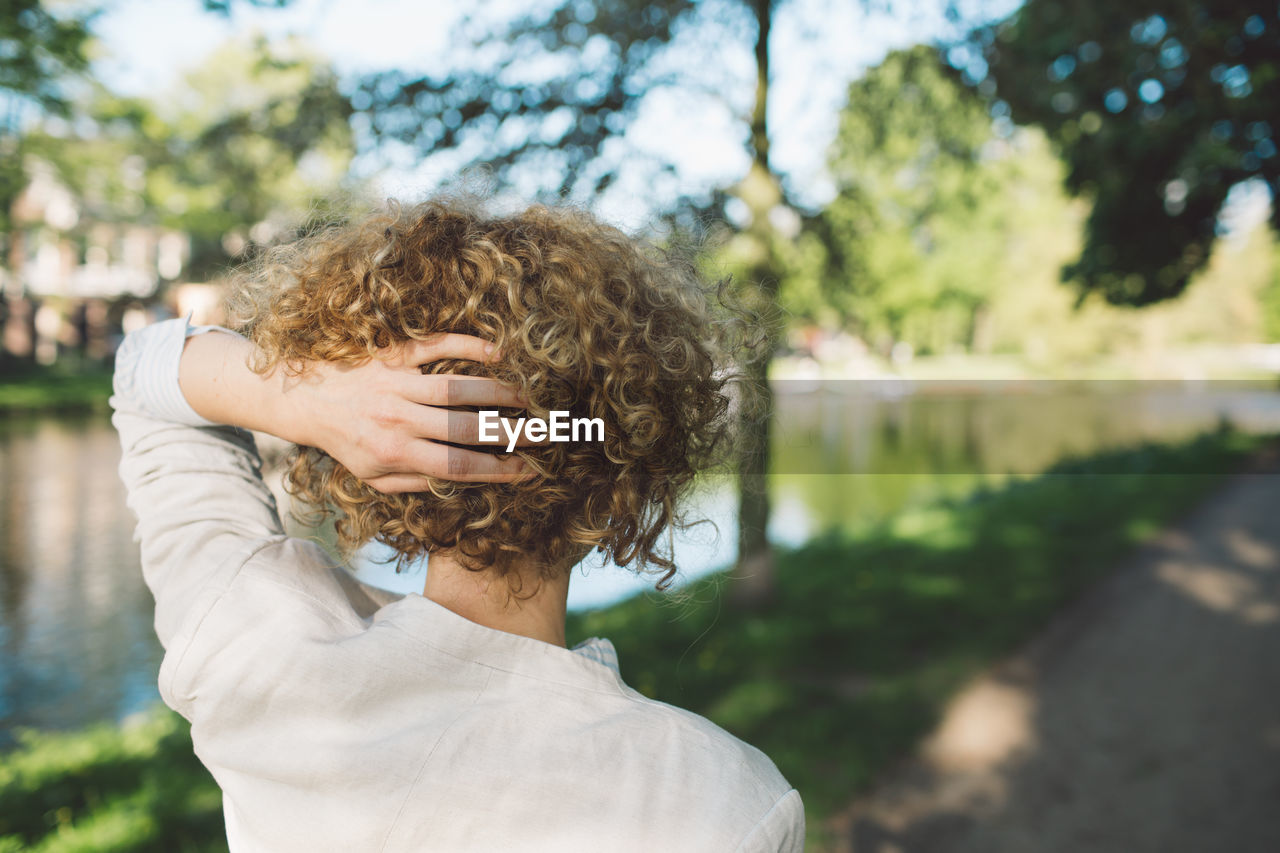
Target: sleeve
(195,487)
(781,830)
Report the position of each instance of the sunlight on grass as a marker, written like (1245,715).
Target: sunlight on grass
(55,389)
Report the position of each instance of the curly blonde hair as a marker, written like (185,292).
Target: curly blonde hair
(587,319)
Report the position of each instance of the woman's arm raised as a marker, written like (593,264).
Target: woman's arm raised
(194,482)
(383,419)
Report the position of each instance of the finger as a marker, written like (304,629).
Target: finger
(448,345)
(467,466)
(394,484)
(446,389)
(465,427)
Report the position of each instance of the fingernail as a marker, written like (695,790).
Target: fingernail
(490,350)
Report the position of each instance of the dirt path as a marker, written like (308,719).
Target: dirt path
(1146,718)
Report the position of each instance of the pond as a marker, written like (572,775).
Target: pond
(76,641)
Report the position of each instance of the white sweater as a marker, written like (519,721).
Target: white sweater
(336,716)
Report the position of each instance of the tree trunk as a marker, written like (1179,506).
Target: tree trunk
(755,576)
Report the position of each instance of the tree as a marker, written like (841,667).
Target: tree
(261,137)
(909,248)
(41,52)
(1158,107)
(247,143)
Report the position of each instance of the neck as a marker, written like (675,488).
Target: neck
(487,600)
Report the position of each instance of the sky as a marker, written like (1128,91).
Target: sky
(818,46)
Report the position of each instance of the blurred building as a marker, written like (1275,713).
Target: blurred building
(73,272)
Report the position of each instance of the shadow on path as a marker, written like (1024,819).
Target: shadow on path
(1145,718)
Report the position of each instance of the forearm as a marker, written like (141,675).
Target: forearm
(383,419)
(217,382)
(195,486)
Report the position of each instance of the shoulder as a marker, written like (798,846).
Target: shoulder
(781,829)
(708,752)
(709,772)
(283,596)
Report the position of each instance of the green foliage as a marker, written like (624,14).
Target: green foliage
(134,788)
(63,387)
(1271,299)
(247,144)
(1158,107)
(41,49)
(931,210)
(41,53)
(948,231)
(280,145)
(872,633)
(911,228)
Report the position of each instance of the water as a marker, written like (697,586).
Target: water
(76,642)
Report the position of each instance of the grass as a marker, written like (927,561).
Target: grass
(59,388)
(136,787)
(844,672)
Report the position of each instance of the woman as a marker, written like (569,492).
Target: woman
(336,716)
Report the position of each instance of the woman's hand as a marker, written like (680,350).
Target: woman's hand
(383,420)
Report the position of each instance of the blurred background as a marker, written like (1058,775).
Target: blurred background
(1001,571)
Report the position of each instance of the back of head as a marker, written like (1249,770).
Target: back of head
(588,321)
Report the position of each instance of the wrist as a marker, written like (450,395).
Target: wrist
(219,385)
(290,408)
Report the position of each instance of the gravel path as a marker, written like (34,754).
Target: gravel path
(1146,718)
